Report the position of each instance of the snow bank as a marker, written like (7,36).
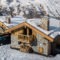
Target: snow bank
(6,53)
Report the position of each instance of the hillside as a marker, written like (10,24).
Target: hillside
(42,7)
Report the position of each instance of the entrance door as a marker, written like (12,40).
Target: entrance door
(41,50)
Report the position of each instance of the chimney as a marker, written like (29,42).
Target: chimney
(44,23)
(8,20)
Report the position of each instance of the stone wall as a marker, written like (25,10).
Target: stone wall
(14,42)
(42,43)
(39,42)
(8,20)
(44,23)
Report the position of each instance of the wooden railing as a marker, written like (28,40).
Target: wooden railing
(25,38)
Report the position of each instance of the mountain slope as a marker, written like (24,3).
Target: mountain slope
(51,7)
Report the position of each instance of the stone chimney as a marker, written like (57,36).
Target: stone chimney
(44,23)
(8,20)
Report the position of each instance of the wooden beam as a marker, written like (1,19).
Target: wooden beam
(13,28)
(27,31)
(0,23)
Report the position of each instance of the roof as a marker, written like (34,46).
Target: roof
(17,20)
(54,26)
(14,21)
(31,27)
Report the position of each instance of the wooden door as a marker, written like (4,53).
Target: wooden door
(41,50)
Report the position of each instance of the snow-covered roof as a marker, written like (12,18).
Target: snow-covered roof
(14,21)
(54,27)
(54,24)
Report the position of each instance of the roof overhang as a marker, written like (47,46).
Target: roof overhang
(31,27)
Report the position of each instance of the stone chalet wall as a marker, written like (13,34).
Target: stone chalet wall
(42,43)
(14,42)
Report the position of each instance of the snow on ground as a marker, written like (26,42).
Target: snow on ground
(6,53)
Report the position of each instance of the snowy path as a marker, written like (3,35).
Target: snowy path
(6,53)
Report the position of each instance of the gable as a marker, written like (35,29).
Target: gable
(31,27)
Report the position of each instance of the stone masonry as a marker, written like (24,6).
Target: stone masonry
(44,23)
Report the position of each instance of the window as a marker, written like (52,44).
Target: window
(19,42)
(44,43)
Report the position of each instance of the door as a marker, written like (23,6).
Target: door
(41,50)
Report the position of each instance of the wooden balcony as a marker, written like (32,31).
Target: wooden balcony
(25,39)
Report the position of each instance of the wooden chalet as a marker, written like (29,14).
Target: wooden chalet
(27,37)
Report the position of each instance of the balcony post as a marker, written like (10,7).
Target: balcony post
(27,31)
(28,34)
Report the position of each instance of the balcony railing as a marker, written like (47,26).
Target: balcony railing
(24,38)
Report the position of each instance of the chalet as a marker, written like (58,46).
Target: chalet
(37,35)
